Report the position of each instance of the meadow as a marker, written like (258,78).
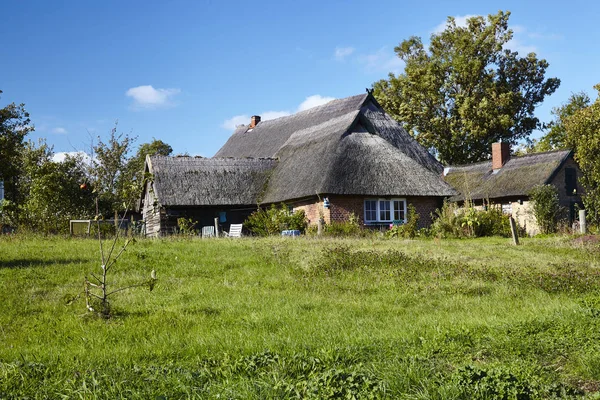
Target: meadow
(304,318)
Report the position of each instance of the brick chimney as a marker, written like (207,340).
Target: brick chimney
(254,121)
(500,154)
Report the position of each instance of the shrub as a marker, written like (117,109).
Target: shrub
(493,222)
(408,230)
(186,226)
(546,207)
(446,221)
(453,221)
(272,220)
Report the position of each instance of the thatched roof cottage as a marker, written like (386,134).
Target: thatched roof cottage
(507,181)
(346,156)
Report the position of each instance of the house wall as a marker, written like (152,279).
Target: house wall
(342,206)
(522,213)
(313,209)
(151,212)
(205,216)
(567,200)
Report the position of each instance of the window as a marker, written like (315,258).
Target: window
(370,210)
(571,181)
(385,210)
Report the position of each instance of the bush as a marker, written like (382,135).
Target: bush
(408,230)
(457,222)
(546,207)
(186,226)
(493,222)
(273,220)
(446,221)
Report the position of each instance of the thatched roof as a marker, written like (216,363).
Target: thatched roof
(516,177)
(267,137)
(347,146)
(192,181)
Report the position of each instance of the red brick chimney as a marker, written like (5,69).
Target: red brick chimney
(254,121)
(500,154)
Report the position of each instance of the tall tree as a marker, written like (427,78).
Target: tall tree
(14,127)
(109,167)
(583,135)
(135,165)
(556,137)
(467,91)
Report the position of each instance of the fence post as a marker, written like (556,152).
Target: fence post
(217,227)
(582,222)
(513,230)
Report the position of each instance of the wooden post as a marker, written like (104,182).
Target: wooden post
(217,227)
(513,230)
(582,222)
(319,227)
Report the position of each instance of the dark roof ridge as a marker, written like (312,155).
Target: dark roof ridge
(569,151)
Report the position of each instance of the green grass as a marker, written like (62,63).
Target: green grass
(304,318)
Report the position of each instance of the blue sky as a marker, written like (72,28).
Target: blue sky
(186,72)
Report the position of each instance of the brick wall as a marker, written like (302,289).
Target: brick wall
(342,206)
(425,206)
(313,208)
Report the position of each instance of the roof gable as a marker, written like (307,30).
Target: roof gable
(191,181)
(517,177)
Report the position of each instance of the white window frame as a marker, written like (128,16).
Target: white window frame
(377,201)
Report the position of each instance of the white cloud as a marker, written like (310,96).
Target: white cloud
(515,44)
(147,96)
(313,101)
(59,131)
(233,122)
(61,156)
(244,119)
(383,60)
(342,52)
(460,20)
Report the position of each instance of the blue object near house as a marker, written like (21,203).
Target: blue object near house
(290,232)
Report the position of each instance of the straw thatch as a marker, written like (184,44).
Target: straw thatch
(516,178)
(347,146)
(191,181)
(267,137)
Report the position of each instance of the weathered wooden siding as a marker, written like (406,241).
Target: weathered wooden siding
(151,212)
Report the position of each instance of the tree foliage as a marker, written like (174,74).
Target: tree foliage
(109,171)
(467,91)
(583,136)
(118,176)
(14,127)
(556,136)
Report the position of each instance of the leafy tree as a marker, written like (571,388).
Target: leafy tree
(109,169)
(56,196)
(556,138)
(14,127)
(135,165)
(583,135)
(467,91)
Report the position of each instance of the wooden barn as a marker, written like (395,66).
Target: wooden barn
(346,156)
(507,181)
